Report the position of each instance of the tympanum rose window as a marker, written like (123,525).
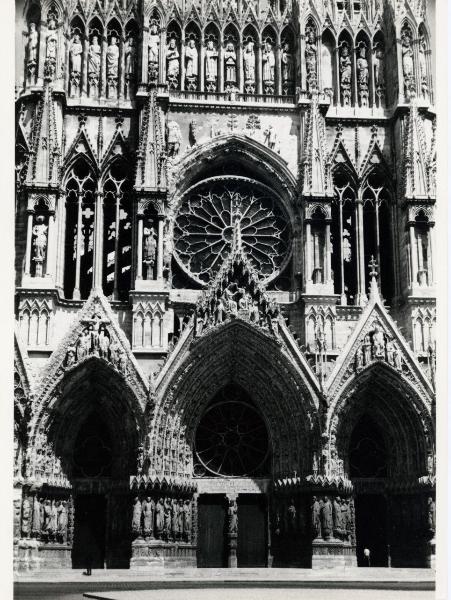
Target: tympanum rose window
(219,210)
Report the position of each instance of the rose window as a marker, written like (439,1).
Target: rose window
(219,212)
(231,440)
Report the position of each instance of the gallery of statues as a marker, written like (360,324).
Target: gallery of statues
(225,284)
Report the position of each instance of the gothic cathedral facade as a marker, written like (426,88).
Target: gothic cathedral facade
(225,283)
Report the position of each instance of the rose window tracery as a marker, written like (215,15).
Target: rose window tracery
(231,441)
(219,212)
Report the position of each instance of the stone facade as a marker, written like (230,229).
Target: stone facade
(225,282)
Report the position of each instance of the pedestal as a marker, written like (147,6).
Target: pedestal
(231,547)
(329,554)
(159,554)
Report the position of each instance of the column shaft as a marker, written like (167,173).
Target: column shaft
(160,248)
(79,242)
(28,246)
(139,259)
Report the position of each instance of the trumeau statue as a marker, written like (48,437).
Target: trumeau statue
(173,63)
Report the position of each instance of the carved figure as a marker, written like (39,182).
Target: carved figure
(232,513)
(326,518)
(230,63)
(167,510)
(76,51)
(363,76)
(175,519)
(159,519)
(94,61)
(40,238)
(211,66)
(136,519)
(191,57)
(287,64)
(130,59)
(32,47)
(112,61)
(291,516)
(397,360)
(37,518)
(378,343)
(26,517)
(269,62)
(431,515)
(311,57)
(121,361)
(70,356)
(407,60)
(422,47)
(51,50)
(174,139)
(187,520)
(148,510)
(379,68)
(150,247)
(359,358)
(316,520)
(345,74)
(390,352)
(52,525)
(249,67)
(104,343)
(62,521)
(367,349)
(337,515)
(94,336)
(270,137)
(173,63)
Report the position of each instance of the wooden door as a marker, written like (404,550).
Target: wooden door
(371,529)
(211,547)
(252,531)
(89,532)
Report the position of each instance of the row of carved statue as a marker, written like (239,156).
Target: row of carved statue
(377,346)
(45,519)
(167,519)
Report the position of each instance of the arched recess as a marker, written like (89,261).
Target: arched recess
(241,355)
(85,440)
(328,72)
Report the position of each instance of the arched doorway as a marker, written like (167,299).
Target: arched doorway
(232,446)
(368,466)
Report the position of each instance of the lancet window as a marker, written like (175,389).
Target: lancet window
(420,229)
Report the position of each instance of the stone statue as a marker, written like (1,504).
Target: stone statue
(121,361)
(326,518)
(230,64)
(270,137)
(40,238)
(422,47)
(175,519)
(136,519)
(149,250)
(37,518)
(130,59)
(112,62)
(431,514)
(173,63)
(397,360)
(187,520)
(62,521)
(249,68)
(311,57)
(174,139)
(83,345)
(159,519)
(254,312)
(211,66)
(181,532)
(378,343)
(104,343)
(153,52)
(191,69)
(94,55)
(148,507)
(316,520)
(390,352)
(94,337)
(76,51)
(52,526)
(71,358)
(32,48)
(269,61)
(367,349)
(359,358)
(232,513)
(167,510)
(362,76)
(379,68)
(407,61)
(51,49)
(287,65)
(26,517)
(345,74)
(291,516)
(337,515)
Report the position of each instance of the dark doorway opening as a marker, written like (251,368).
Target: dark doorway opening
(89,532)
(371,530)
(211,549)
(252,531)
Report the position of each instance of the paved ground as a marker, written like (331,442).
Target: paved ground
(233,584)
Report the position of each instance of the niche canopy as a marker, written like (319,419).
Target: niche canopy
(220,212)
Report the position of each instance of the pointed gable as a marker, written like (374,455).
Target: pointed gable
(315,179)
(377,339)
(118,146)
(150,171)
(84,340)
(373,156)
(81,146)
(415,161)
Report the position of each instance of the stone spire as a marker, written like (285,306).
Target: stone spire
(43,167)
(314,163)
(415,162)
(151,159)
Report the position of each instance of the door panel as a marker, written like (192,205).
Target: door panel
(371,529)
(89,532)
(252,534)
(211,551)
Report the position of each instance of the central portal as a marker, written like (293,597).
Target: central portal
(89,532)
(252,529)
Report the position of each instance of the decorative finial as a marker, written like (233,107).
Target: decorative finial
(373,267)
(82,119)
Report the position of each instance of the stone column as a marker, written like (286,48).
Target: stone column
(259,68)
(308,252)
(79,242)
(98,242)
(220,85)
(278,69)
(413,256)
(29,239)
(84,67)
(182,61)
(201,68)
(232,531)
(50,265)
(116,246)
(361,292)
(61,242)
(139,253)
(328,257)
(160,247)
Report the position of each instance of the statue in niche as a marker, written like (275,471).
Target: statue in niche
(153,53)
(269,62)
(39,243)
(104,343)
(52,526)
(62,521)
(51,49)
(337,516)
(94,338)
(148,507)
(407,61)
(167,509)
(311,52)
(316,520)
(149,250)
(76,51)
(326,518)
(287,68)
(232,513)
(94,54)
(345,74)
(191,69)
(249,68)
(32,48)
(211,66)
(112,64)
(37,518)
(362,76)
(173,63)
(159,519)
(230,65)
(379,68)
(181,531)
(136,519)
(130,59)
(422,47)
(174,139)
(26,517)
(378,343)
(367,349)
(187,520)
(175,519)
